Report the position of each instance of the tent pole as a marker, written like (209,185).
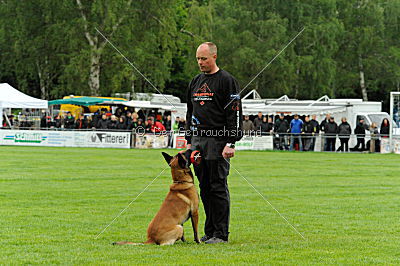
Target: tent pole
(8,121)
(1,116)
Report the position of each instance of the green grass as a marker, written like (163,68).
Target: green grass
(54,201)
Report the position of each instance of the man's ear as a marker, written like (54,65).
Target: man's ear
(181,160)
(167,157)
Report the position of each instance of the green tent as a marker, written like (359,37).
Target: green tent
(85,101)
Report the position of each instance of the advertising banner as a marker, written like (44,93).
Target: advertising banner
(65,138)
(255,143)
(151,141)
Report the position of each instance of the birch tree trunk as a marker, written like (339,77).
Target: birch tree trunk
(362,80)
(94,75)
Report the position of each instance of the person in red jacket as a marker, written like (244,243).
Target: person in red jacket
(156,126)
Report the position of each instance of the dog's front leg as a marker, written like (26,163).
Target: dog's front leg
(195,222)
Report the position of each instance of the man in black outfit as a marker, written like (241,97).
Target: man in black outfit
(331,130)
(213,125)
(359,131)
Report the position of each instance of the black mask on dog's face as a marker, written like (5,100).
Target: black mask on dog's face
(183,158)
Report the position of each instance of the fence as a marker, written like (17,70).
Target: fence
(142,140)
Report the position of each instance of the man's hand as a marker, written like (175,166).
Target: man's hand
(228,152)
(189,146)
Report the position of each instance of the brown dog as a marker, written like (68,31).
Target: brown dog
(181,202)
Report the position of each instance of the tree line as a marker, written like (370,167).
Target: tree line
(349,48)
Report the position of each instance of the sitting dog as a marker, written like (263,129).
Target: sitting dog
(181,203)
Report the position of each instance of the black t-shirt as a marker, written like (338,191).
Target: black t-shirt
(213,103)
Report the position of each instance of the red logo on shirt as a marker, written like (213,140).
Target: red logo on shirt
(202,102)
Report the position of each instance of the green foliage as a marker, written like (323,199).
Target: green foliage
(44,44)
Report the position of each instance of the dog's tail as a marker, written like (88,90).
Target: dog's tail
(148,242)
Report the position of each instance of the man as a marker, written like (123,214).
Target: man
(331,129)
(322,128)
(315,130)
(344,131)
(103,122)
(258,121)
(282,128)
(359,131)
(295,130)
(248,126)
(155,127)
(69,121)
(81,122)
(213,125)
(307,131)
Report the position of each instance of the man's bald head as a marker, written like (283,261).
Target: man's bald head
(206,56)
(212,48)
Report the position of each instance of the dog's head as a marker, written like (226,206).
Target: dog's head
(179,161)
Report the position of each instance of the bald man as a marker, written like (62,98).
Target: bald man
(213,125)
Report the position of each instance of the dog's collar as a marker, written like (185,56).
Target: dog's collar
(183,182)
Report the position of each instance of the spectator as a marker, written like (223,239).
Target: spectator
(307,132)
(81,123)
(282,128)
(264,128)
(134,123)
(359,131)
(324,122)
(315,130)
(344,135)
(385,128)
(57,121)
(258,121)
(182,124)
(112,124)
(248,126)
(331,129)
(69,121)
(129,119)
(295,130)
(322,128)
(167,123)
(121,124)
(103,122)
(91,122)
(175,126)
(155,126)
(374,138)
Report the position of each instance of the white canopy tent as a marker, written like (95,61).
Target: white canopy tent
(13,98)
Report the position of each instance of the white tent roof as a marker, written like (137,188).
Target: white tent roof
(13,98)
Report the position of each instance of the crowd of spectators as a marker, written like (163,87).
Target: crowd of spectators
(119,121)
(301,135)
(290,132)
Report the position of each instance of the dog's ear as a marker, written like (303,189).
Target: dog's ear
(167,157)
(181,160)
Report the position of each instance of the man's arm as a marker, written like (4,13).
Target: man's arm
(233,112)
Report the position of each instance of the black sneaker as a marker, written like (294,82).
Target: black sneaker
(205,238)
(215,240)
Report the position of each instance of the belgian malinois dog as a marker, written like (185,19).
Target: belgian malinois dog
(181,203)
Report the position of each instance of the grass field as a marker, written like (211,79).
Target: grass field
(54,201)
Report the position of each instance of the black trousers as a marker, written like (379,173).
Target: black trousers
(212,174)
(360,141)
(330,144)
(344,144)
